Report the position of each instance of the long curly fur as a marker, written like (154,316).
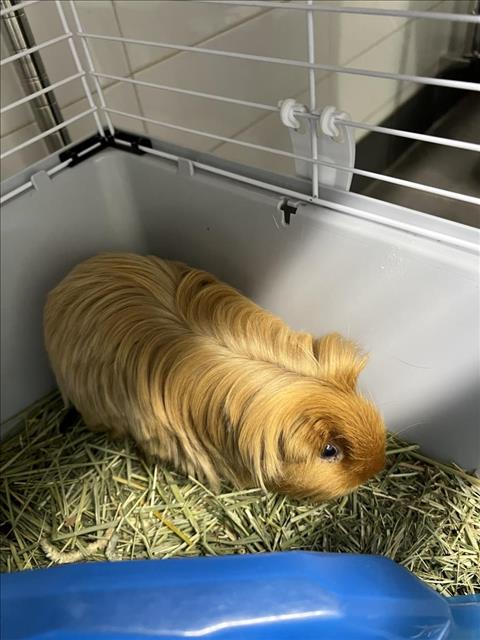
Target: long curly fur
(206,380)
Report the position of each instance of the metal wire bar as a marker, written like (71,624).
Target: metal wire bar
(50,87)
(15,192)
(312,97)
(438,82)
(348,210)
(29,184)
(309,7)
(51,172)
(44,134)
(89,58)
(367,11)
(78,64)
(37,47)
(450,142)
(188,92)
(17,7)
(358,213)
(368,174)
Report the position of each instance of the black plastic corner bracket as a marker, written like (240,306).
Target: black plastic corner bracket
(84,150)
(128,142)
(91,146)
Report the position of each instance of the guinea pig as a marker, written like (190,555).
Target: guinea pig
(207,381)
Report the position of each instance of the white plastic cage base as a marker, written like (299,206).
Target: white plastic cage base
(407,293)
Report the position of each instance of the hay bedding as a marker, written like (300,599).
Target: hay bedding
(77,496)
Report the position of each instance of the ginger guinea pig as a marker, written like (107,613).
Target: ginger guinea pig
(204,379)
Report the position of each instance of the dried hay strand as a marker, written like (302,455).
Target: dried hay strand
(75,496)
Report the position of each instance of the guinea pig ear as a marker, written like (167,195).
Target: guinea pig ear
(340,359)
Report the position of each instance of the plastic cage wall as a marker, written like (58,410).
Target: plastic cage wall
(431,262)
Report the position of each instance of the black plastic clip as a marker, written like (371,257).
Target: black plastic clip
(288,210)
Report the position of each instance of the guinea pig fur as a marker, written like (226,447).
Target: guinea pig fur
(206,380)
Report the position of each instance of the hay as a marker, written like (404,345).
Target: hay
(78,496)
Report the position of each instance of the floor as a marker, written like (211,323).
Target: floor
(440,166)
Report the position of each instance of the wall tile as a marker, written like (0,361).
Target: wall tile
(259,83)
(176,22)
(269,132)
(96,17)
(358,33)
(268,34)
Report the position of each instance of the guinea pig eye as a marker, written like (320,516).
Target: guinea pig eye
(330,453)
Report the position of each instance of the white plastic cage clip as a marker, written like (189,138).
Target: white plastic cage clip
(328,121)
(288,108)
(335,143)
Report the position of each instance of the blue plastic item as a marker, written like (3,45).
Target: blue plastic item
(293,595)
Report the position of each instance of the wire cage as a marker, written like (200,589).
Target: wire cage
(83,105)
(263,169)
(316,152)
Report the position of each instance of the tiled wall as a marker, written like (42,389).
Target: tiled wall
(372,42)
